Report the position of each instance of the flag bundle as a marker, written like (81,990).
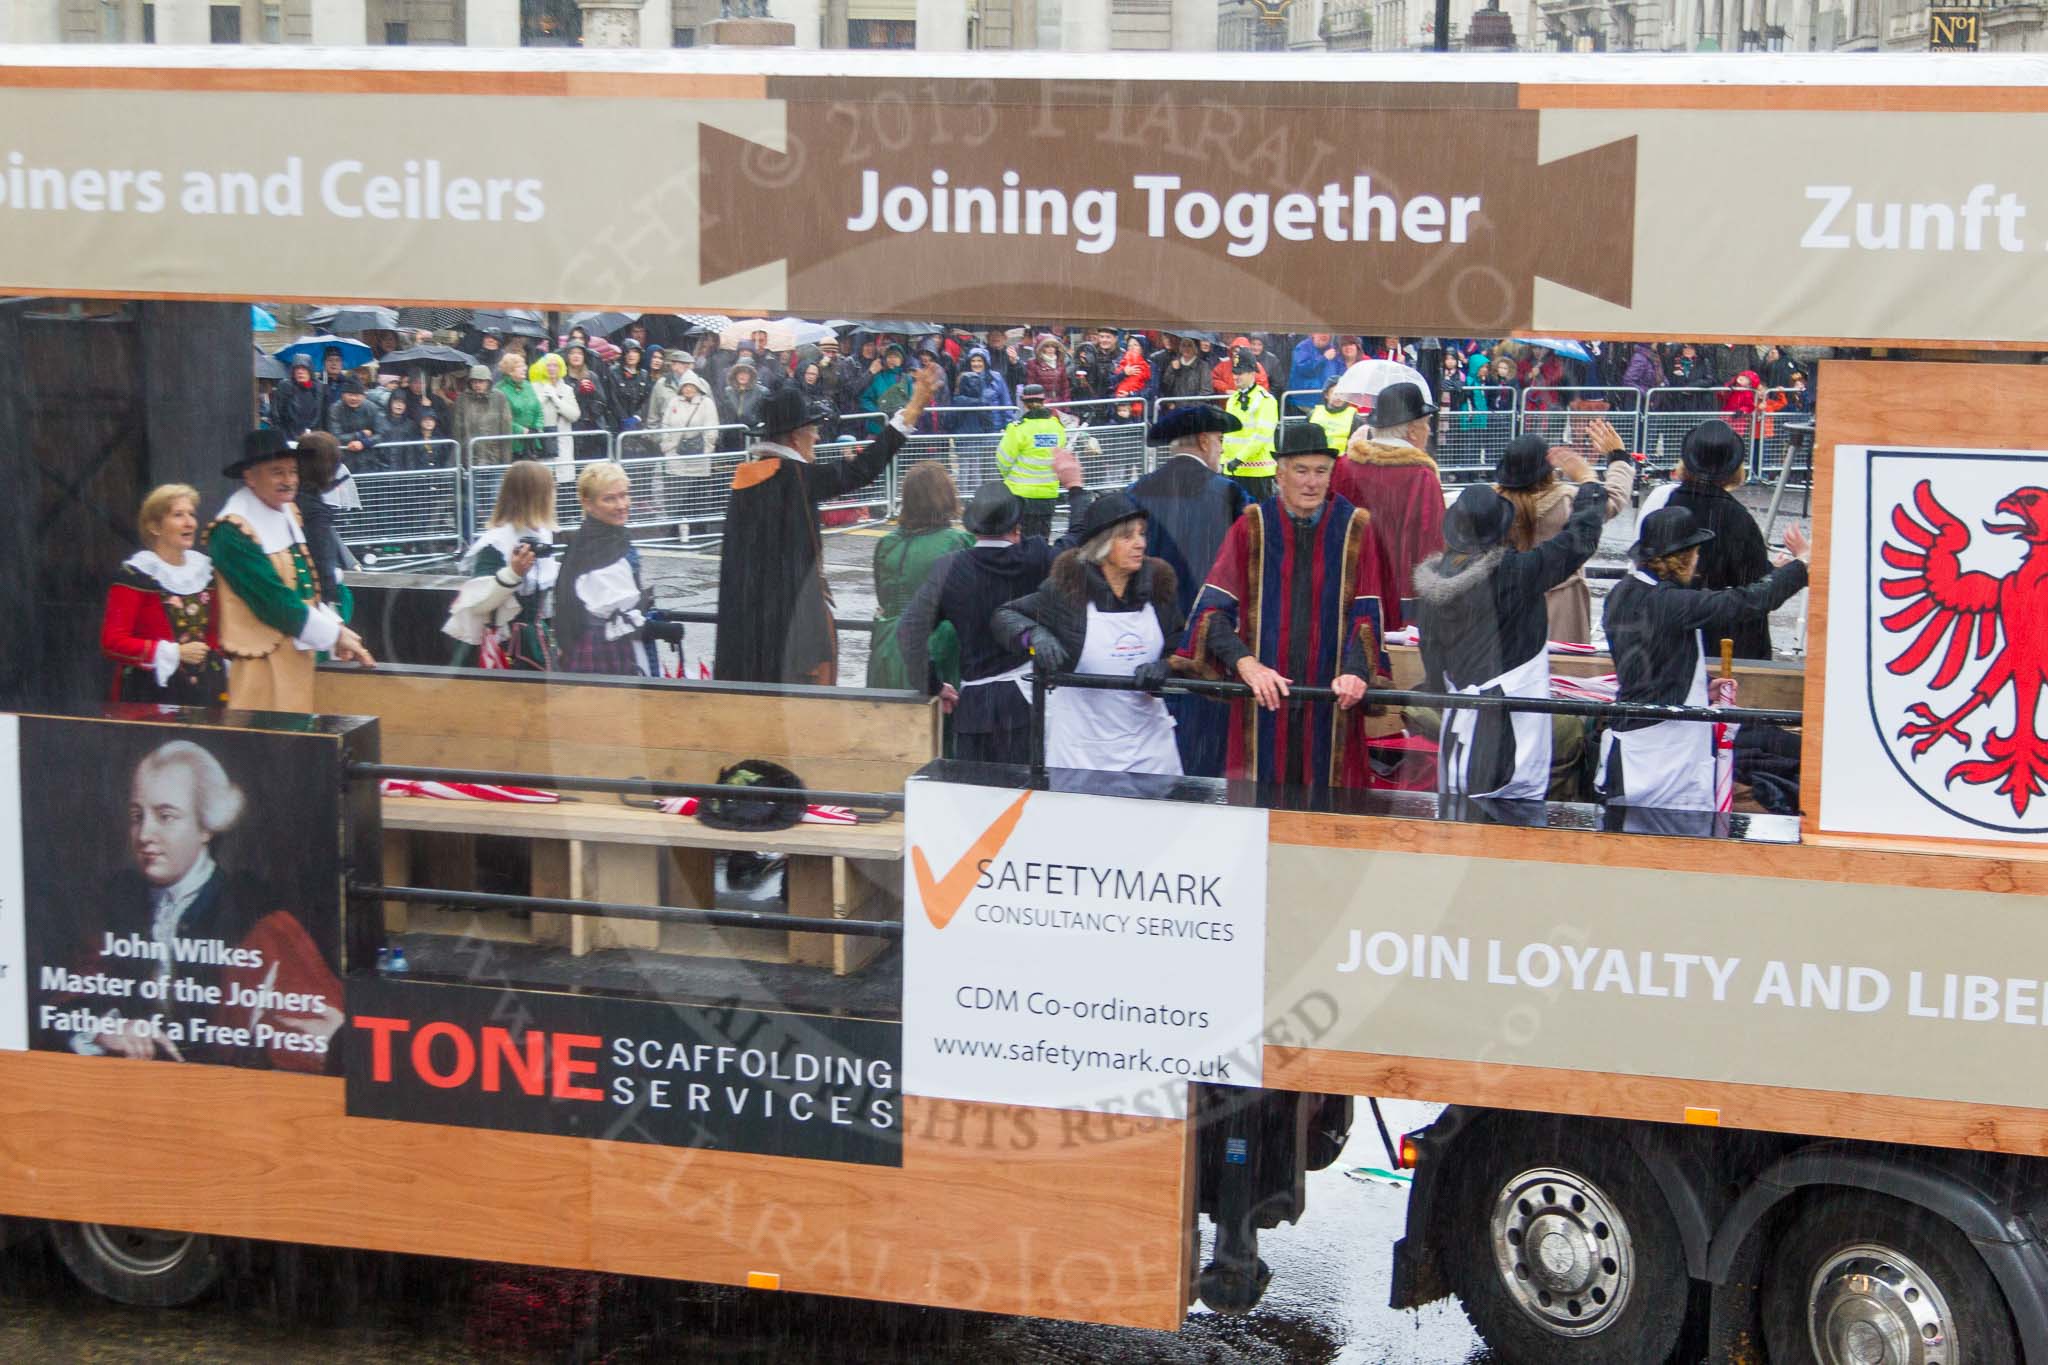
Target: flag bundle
(467,791)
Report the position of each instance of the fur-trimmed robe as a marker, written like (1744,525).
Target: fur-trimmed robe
(1248,605)
(1399,485)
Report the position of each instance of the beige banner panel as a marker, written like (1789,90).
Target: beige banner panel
(1454,208)
(1712,977)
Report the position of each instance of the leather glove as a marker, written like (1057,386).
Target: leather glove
(1048,655)
(1150,675)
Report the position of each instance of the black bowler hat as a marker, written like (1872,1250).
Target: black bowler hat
(1192,420)
(993,510)
(259,447)
(1479,520)
(787,410)
(1667,531)
(1524,463)
(1302,438)
(1111,509)
(1398,405)
(1713,452)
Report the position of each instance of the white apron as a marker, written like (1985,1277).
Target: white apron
(1669,765)
(1531,779)
(1125,732)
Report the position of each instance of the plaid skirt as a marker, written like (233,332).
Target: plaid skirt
(595,654)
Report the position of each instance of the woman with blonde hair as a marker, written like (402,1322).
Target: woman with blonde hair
(602,608)
(499,618)
(558,411)
(904,558)
(159,628)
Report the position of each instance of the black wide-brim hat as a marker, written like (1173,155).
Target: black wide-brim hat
(1713,452)
(1302,438)
(1194,419)
(993,510)
(1107,511)
(260,446)
(1399,404)
(1524,463)
(787,410)
(1667,531)
(1479,520)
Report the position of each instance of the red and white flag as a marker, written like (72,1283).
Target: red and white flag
(468,791)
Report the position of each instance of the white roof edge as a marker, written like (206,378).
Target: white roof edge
(1222,68)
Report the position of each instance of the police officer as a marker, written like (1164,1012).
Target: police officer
(1248,451)
(1024,459)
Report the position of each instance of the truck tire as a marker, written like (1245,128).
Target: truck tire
(1865,1277)
(1564,1252)
(139,1266)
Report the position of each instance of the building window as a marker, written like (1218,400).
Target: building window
(149,23)
(394,35)
(224,23)
(550,23)
(683,37)
(881,33)
(273,23)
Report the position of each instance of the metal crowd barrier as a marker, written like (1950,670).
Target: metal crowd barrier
(562,452)
(1670,414)
(407,517)
(388,457)
(1469,440)
(1772,441)
(1561,415)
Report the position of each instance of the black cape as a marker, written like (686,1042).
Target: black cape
(774,608)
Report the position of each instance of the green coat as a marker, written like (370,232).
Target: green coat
(525,406)
(902,563)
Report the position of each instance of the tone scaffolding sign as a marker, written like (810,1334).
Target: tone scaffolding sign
(1080,952)
(1937,599)
(13,947)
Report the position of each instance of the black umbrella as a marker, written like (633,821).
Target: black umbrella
(354,317)
(432,319)
(601,324)
(268,368)
(427,358)
(517,322)
(1208,338)
(890,327)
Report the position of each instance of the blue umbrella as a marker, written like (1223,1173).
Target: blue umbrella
(314,350)
(260,321)
(1570,350)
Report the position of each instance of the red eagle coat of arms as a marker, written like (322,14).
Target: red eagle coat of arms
(1959,636)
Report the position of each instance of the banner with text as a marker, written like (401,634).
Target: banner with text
(181,890)
(1453,208)
(1080,952)
(625,1070)
(1937,599)
(1650,972)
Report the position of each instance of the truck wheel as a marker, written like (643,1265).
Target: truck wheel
(1577,1260)
(139,1266)
(1861,1278)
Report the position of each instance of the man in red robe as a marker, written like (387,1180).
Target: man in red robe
(1387,471)
(1301,594)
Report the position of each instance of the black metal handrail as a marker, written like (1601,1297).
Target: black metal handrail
(1297,694)
(660,914)
(632,786)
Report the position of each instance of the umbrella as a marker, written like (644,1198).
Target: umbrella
(268,368)
(427,358)
(601,324)
(1570,350)
(1362,382)
(314,350)
(704,322)
(261,321)
(518,322)
(784,334)
(354,317)
(433,319)
(1191,334)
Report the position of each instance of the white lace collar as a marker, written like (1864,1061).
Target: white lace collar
(276,528)
(192,576)
(777,448)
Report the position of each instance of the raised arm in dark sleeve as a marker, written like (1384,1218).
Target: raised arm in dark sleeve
(1722,608)
(836,478)
(1558,558)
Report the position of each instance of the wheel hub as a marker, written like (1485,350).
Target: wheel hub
(138,1251)
(1562,1250)
(1869,1305)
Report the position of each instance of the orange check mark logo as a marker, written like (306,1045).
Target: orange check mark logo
(942,897)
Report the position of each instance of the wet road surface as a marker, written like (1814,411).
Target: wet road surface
(284,1306)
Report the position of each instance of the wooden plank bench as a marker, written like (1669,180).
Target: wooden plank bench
(597,848)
